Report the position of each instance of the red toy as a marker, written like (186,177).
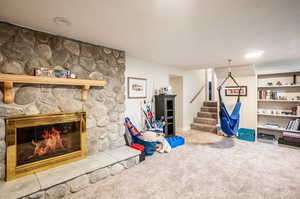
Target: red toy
(138,147)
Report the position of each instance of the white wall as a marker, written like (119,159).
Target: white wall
(158,76)
(245,76)
(278,67)
(193,80)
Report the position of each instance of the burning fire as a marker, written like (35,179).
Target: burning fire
(51,142)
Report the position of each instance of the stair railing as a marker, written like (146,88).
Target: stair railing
(198,93)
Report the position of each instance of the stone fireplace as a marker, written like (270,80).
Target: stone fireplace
(21,50)
(35,131)
(39,142)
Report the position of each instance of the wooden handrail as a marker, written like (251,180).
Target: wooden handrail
(197,94)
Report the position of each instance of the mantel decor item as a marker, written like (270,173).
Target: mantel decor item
(234,91)
(52,72)
(137,87)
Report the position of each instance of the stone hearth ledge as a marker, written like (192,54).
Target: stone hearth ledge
(89,170)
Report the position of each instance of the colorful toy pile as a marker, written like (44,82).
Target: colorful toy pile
(151,141)
(152,124)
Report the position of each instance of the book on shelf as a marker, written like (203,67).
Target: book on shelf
(289,134)
(293,125)
(291,137)
(282,141)
(270,95)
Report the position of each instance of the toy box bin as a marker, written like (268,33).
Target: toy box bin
(149,147)
(246,134)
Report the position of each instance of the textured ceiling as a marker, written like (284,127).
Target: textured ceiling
(184,33)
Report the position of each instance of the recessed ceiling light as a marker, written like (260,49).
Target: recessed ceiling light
(254,54)
(62,21)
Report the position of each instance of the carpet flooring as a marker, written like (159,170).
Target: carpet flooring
(208,166)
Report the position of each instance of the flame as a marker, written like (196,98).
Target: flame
(51,141)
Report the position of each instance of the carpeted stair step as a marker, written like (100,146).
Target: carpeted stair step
(204,127)
(209,109)
(210,103)
(207,114)
(203,120)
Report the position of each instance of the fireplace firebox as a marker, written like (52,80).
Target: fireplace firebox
(38,142)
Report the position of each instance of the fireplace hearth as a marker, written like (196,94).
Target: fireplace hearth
(39,142)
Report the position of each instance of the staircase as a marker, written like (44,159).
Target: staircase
(206,119)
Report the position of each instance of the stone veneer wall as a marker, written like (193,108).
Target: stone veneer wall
(21,50)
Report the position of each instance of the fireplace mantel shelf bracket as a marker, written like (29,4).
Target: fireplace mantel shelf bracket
(8,81)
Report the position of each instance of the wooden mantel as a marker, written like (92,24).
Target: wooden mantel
(8,81)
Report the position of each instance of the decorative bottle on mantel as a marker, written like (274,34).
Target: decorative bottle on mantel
(165,108)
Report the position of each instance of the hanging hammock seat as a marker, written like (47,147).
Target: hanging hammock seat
(229,122)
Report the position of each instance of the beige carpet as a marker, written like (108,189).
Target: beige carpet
(208,166)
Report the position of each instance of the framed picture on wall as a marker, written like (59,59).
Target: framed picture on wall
(137,87)
(234,91)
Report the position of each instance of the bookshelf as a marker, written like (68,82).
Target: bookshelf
(279,115)
(283,101)
(277,101)
(282,86)
(277,129)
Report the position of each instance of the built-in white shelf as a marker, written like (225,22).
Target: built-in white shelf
(288,90)
(287,101)
(283,86)
(277,129)
(279,115)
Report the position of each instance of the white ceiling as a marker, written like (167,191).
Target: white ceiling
(184,33)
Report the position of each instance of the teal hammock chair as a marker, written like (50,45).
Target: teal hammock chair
(229,122)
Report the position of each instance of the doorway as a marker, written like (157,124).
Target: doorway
(176,82)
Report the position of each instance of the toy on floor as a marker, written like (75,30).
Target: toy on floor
(150,123)
(175,141)
(150,140)
(246,134)
(138,147)
(149,116)
(149,147)
(163,145)
(141,148)
(133,131)
(158,126)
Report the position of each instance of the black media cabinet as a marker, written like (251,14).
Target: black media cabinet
(165,108)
